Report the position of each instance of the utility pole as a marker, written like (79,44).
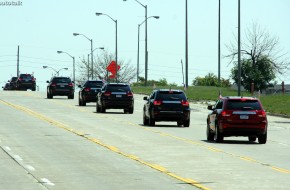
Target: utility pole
(219,44)
(18,62)
(239,49)
(186,47)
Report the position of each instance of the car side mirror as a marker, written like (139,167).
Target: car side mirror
(79,86)
(210,107)
(47,81)
(145,98)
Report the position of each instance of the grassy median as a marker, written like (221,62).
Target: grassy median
(275,104)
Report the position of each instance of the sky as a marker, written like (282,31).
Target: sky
(41,28)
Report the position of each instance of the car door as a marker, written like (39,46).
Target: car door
(147,105)
(213,115)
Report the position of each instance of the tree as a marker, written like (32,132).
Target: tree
(258,46)
(261,74)
(210,80)
(126,73)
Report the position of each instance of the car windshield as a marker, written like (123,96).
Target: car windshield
(118,88)
(243,105)
(26,76)
(171,95)
(95,84)
(61,80)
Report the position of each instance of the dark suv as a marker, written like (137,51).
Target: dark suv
(89,91)
(115,96)
(25,82)
(237,116)
(12,83)
(60,86)
(166,105)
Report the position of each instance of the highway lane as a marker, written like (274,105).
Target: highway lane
(64,146)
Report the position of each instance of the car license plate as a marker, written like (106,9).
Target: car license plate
(244,117)
(118,96)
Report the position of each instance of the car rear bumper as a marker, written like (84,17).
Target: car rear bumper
(90,98)
(118,104)
(171,115)
(62,92)
(239,130)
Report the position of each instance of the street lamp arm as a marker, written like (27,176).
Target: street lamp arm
(98,14)
(156,17)
(141,4)
(66,53)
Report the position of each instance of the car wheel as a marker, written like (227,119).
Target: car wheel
(186,123)
(218,137)
(70,97)
(209,134)
(131,110)
(262,139)
(151,121)
(252,138)
(80,102)
(179,123)
(84,103)
(145,119)
(98,108)
(102,109)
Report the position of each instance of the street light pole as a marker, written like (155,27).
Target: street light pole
(156,17)
(146,45)
(116,42)
(239,49)
(74,74)
(91,40)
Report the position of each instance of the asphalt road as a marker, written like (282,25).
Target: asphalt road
(55,144)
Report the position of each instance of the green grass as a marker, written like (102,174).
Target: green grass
(276,104)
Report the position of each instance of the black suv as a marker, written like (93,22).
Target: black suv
(60,86)
(166,105)
(89,91)
(237,116)
(12,83)
(25,82)
(115,96)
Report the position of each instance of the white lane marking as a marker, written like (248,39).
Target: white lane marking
(46,181)
(7,148)
(17,157)
(29,167)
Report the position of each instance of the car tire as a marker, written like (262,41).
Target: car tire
(151,121)
(209,134)
(262,139)
(98,108)
(145,119)
(186,123)
(252,138)
(218,137)
(102,109)
(70,96)
(179,123)
(80,102)
(131,110)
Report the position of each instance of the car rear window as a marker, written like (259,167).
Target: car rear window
(61,80)
(96,84)
(23,76)
(170,95)
(243,105)
(118,88)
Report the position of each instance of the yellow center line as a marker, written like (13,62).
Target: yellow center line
(109,147)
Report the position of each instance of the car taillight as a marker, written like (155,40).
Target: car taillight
(87,89)
(184,103)
(70,84)
(53,84)
(129,94)
(108,93)
(262,114)
(33,79)
(225,114)
(157,102)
